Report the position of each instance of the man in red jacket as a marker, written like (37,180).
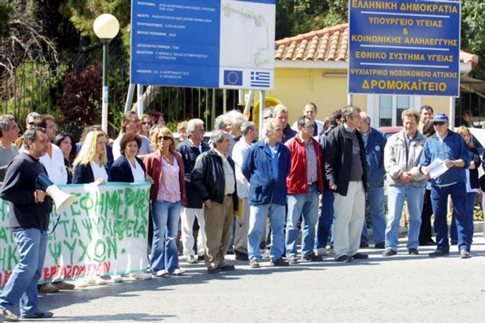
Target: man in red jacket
(304,182)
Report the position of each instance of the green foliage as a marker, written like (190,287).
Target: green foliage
(34,85)
(5,12)
(301,16)
(472,31)
(82,14)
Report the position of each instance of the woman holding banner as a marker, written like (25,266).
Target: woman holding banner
(90,167)
(90,163)
(166,168)
(128,168)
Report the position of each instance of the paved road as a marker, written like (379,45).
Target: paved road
(398,289)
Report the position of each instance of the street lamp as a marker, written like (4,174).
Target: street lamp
(106,27)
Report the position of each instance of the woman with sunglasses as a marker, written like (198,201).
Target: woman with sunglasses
(166,168)
(146,125)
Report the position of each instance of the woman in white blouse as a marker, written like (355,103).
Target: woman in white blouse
(128,168)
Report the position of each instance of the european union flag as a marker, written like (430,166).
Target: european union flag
(233,78)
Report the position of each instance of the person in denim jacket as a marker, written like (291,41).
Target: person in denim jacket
(374,143)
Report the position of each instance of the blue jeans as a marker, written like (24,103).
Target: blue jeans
(306,206)
(166,217)
(439,200)
(257,216)
(414,196)
(325,220)
(375,198)
(470,203)
(22,284)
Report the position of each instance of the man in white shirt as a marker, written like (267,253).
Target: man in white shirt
(53,160)
(310,110)
(130,123)
(249,133)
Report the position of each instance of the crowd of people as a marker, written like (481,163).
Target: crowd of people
(247,196)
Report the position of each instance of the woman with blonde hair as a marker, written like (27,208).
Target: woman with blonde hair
(90,164)
(472,183)
(166,168)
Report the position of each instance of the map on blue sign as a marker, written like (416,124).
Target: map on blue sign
(203,43)
(408,47)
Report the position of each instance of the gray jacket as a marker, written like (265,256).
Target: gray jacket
(398,159)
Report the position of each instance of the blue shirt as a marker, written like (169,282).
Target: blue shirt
(452,147)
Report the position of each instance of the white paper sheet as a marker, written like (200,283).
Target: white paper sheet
(437,168)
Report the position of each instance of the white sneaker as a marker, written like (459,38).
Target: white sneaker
(191,260)
(141,276)
(116,279)
(177,272)
(81,282)
(321,252)
(161,273)
(97,281)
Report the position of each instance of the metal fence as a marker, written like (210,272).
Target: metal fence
(40,87)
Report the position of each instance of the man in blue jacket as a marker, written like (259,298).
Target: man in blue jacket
(451,149)
(374,143)
(266,165)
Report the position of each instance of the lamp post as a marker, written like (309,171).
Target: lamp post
(106,27)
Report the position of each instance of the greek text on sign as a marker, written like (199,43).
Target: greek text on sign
(203,43)
(104,231)
(408,47)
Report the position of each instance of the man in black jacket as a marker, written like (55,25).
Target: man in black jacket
(214,180)
(190,149)
(29,220)
(345,169)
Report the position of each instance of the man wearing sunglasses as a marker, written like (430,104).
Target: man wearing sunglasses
(451,149)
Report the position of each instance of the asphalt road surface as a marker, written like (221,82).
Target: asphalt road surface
(401,288)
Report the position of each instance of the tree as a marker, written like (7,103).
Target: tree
(5,11)
(80,100)
(472,31)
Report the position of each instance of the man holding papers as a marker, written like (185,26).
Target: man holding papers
(450,148)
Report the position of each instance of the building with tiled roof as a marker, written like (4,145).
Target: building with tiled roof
(313,67)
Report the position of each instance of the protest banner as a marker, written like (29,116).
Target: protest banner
(104,231)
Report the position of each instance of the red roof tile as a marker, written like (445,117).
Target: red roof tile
(328,44)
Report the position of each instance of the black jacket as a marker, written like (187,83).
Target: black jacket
(475,157)
(18,188)
(208,178)
(83,174)
(120,171)
(338,159)
(189,154)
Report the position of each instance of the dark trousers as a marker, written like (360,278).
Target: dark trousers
(426,231)
(464,225)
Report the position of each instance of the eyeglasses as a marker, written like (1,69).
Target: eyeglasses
(31,123)
(164,138)
(145,123)
(310,126)
(439,123)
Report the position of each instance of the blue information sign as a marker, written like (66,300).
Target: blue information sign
(408,47)
(203,43)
